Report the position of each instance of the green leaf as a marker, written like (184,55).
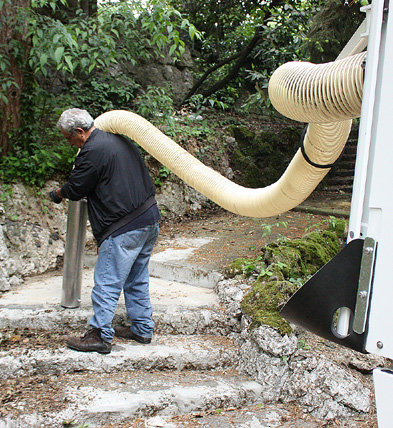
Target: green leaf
(181,50)
(68,60)
(59,54)
(172,50)
(191,32)
(184,23)
(4,99)
(43,59)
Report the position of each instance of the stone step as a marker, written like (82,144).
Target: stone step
(344,172)
(348,156)
(348,164)
(351,144)
(341,177)
(354,132)
(168,320)
(164,353)
(338,180)
(347,189)
(172,260)
(107,399)
(178,308)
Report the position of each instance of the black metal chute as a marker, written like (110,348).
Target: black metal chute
(334,286)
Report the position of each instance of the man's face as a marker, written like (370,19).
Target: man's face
(75,140)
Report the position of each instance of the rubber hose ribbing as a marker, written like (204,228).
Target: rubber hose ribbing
(328,99)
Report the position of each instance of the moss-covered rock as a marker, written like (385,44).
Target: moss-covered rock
(237,267)
(282,267)
(304,256)
(340,227)
(263,302)
(262,157)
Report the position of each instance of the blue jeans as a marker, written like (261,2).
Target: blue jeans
(122,264)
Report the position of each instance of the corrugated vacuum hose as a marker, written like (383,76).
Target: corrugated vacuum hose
(326,96)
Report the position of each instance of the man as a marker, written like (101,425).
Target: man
(123,214)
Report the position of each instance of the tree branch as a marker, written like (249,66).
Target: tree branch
(210,71)
(240,56)
(235,69)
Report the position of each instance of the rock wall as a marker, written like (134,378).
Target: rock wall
(162,70)
(32,233)
(328,381)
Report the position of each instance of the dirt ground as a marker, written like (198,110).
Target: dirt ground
(237,236)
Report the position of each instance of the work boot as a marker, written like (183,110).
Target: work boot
(126,333)
(91,341)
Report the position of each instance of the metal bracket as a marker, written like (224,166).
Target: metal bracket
(334,286)
(365,284)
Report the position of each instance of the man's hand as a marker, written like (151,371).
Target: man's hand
(55,197)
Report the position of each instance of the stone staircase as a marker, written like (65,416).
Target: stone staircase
(340,177)
(202,368)
(190,366)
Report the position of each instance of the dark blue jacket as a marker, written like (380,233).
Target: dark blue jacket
(111,173)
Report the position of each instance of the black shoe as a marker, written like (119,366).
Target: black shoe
(126,333)
(90,342)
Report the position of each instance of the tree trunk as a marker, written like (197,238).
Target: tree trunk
(13,53)
(241,59)
(93,7)
(89,7)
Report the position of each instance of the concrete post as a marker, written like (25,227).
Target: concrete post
(73,257)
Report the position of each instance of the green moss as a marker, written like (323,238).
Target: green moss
(242,134)
(282,267)
(274,272)
(339,226)
(262,157)
(283,254)
(237,267)
(263,302)
(304,256)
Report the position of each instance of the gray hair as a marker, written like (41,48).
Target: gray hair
(75,118)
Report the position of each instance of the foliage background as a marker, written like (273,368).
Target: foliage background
(55,55)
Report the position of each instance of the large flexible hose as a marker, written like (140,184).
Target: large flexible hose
(327,96)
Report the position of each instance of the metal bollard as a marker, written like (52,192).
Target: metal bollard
(73,257)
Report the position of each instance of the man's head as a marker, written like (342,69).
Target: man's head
(76,125)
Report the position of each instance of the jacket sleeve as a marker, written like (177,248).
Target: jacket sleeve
(82,179)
